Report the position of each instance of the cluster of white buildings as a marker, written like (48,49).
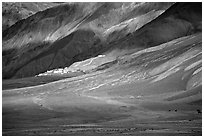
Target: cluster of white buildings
(56,71)
(80,66)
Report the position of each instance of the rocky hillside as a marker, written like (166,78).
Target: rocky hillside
(155,91)
(117,69)
(62,35)
(46,36)
(16,11)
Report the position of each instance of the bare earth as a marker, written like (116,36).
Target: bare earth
(141,95)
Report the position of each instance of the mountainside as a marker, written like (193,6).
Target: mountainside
(48,35)
(15,11)
(75,33)
(155,91)
(104,69)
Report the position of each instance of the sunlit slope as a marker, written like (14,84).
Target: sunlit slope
(155,91)
(69,27)
(173,23)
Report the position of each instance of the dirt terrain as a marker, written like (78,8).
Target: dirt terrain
(103,69)
(154,91)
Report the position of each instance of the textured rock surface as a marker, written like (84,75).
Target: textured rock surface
(15,11)
(71,28)
(60,36)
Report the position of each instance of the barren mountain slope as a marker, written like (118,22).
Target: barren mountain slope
(51,35)
(155,91)
(15,11)
(122,69)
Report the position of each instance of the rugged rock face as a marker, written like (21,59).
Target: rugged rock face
(60,36)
